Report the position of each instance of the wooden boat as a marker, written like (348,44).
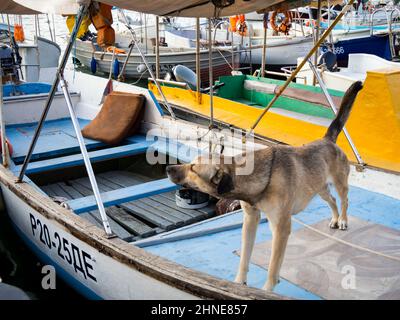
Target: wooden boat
(175,255)
(358,66)
(299,118)
(282,50)
(39,56)
(169,57)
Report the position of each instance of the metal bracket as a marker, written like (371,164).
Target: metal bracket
(335,111)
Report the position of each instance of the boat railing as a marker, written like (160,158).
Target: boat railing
(389,18)
(233,51)
(394,10)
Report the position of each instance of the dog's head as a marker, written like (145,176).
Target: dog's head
(203,175)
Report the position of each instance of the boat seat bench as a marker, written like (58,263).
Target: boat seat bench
(95,156)
(122,195)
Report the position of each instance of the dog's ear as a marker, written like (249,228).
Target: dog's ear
(225,184)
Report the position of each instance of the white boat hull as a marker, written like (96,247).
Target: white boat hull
(93,274)
(222,59)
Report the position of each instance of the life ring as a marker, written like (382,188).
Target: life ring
(238,24)
(284,25)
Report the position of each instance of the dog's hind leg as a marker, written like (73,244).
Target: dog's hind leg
(342,189)
(280,235)
(251,219)
(326,195)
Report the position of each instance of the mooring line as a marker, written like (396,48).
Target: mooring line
(346,242)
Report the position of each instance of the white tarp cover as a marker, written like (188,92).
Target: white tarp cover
(184,8)
(11,7)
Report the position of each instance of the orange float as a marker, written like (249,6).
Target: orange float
(284,25)
(19,34)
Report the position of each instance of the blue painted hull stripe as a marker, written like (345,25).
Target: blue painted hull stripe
(73,282)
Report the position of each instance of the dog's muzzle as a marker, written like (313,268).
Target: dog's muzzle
(175,173)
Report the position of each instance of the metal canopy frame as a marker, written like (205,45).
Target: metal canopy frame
(59,79)
(316,77)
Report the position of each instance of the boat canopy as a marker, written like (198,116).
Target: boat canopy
(11,7)
(183,8)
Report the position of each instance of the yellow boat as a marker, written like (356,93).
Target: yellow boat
(374,124)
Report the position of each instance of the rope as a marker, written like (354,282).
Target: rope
(346,242)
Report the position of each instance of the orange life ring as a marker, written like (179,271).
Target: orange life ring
(238,24)
(284,25)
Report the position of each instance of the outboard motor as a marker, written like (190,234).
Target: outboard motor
(8,65)
(328,60)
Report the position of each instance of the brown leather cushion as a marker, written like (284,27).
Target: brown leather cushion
(118,118)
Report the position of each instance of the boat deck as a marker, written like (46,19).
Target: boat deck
(210,246)
(137,206)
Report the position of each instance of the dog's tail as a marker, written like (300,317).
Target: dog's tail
(344,111)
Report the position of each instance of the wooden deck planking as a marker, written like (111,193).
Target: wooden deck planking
(123,195)
(120,215)
(115,227)
(166,198)
(54,190)
(134,207)
(124,181)
(135,178)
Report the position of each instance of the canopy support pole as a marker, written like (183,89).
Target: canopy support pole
(86,158)
(210,74)
(4,147)
(157,47)
(121,73)
(301,65)
(335,111)
(133,34)
(60,78)
(198,68)
(264,48)
(317,30)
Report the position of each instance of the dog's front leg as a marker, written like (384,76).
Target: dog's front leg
(251,218)
(280,235)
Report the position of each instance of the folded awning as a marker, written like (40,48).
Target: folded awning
(183,8)
(11,7)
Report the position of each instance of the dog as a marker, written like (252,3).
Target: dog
(282,183)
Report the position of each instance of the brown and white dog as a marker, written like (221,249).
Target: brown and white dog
(283,182)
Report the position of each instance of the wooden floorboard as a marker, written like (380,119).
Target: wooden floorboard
(148,215)
(55,190)
(208,211)
(140,218)
(121,216)
(132,178)
(166,199)
(115,227)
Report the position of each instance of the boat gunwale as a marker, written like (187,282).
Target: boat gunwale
(188,280)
